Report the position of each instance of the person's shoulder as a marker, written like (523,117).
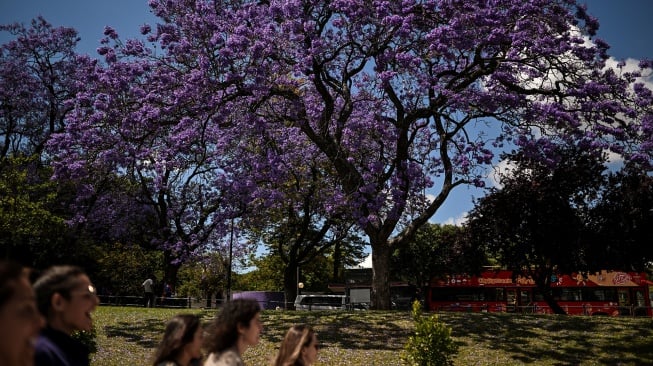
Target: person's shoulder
(47,353)
(166,363)
(44,344)
(227,358)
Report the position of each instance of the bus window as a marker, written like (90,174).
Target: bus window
(570,294)
(624,299)
(511,297)
(639,298)
(492,294)
(599,294)
(525,297)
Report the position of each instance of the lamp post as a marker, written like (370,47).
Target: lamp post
(231,244)
(300,285)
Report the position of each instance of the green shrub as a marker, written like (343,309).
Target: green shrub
(89,338)
(431,345)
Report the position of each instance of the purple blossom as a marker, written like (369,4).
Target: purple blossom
(145,29)
(110,32)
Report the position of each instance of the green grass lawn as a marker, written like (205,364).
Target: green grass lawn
(127,336)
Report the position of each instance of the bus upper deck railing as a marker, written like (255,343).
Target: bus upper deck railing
(584,309)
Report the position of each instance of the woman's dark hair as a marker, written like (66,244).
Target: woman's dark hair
(296,339)
(223,331)
(180,331)
(57,279)
(10,274)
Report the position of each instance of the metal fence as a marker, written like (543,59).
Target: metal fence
(180,302)
(160,302)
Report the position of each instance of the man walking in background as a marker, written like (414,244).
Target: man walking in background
(149,292)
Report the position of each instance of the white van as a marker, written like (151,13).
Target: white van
(320,302)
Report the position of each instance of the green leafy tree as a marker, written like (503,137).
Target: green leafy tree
(299,233)
(436,249)
(536,222)
(30,229)
(267,275)
(621,222)
(135,264)
(204,277)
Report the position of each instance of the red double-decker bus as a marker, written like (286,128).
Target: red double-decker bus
(601,293)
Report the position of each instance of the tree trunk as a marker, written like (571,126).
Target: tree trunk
(380,295)
(170,271)
(209,296)
(290,282)
(337,258)
(553,304)
(542,279)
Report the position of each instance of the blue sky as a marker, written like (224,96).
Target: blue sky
(625,24)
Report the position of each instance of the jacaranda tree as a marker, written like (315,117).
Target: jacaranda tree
(38,75)
(396,96)
(131,120)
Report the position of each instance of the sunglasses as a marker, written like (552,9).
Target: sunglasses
(89,293)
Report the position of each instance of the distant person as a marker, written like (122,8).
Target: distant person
(167,290)
(20,319)
(66,298)
(237,327)
(298,348)
(148,288)
(182,342)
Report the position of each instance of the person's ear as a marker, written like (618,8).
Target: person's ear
(57,301)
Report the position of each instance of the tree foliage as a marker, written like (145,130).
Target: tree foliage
(38,75)
(621,222)
(436,249)
(535,223)
(32,229)
(536,219)
(269,275)
(135,264)
(204,277)
(300,228)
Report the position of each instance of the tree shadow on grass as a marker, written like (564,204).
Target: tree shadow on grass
(146,333)
(555,340)
(564,340)
(374,331)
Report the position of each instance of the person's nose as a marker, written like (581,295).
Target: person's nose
(39,322)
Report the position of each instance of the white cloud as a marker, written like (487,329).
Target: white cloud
(632,65)
(456,221)
(367,263)
(615,159)
(502,169)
